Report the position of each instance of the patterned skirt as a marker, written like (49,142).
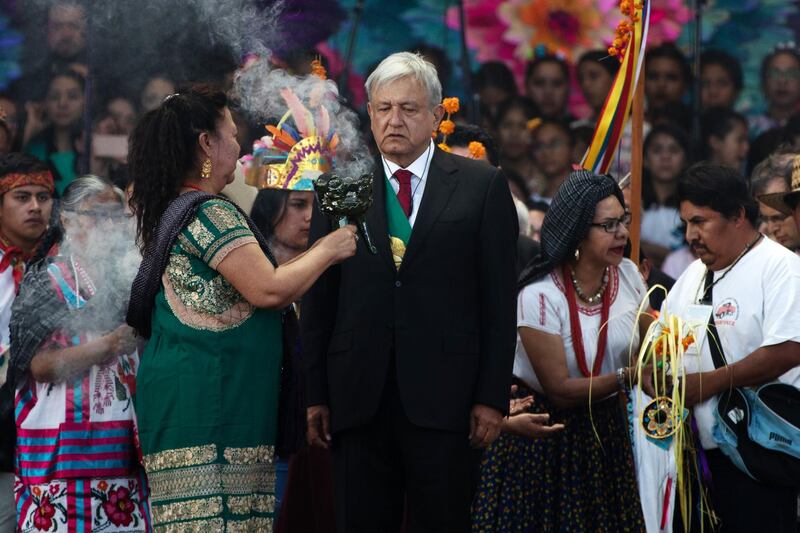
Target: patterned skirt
(581,479)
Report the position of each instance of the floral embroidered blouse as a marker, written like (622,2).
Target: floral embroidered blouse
(77,466)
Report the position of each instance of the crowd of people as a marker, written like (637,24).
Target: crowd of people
(182,352)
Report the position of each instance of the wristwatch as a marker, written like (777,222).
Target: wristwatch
(621,381)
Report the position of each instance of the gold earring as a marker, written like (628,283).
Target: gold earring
(577,255)
(205,172)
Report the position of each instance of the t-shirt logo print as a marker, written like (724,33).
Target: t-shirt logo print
(727,312)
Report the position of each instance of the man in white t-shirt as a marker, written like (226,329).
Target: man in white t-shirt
(753,292)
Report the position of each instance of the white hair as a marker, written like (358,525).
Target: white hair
(85,187)
(403,65)
(522,217)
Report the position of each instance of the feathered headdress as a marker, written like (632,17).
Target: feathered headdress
(298,149)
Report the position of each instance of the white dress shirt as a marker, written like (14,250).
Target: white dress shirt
(419,175)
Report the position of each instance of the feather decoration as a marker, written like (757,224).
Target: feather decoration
(280,137)
(284,118)
(312,127)
(292,132)
(323,121)
(299,111)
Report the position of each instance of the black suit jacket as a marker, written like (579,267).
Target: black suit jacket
(448,315)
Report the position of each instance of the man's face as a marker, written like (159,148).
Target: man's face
(402,119)
(24,213)
(549,89)
(595,82)
(66,30)
(778,226)
(781,82)
(709,234)
(717,88)
(663,82)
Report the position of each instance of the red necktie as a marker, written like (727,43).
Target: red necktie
(404,194)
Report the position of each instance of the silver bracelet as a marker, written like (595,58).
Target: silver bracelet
(621,381)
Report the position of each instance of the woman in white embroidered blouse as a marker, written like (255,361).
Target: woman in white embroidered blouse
(577,308)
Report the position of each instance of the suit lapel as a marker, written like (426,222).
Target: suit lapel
(439,186)
(376,216)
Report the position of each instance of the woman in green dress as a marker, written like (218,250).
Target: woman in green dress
(208,298)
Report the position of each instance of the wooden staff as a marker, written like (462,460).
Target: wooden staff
(637,156)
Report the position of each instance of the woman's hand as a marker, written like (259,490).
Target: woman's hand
(340,244)
(531,425)
(648,382)
(35,121)
(121,341)
(63,364)
(518,405)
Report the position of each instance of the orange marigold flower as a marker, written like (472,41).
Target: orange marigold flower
(102,486)
(659,349)
(688,340)
(476,150)
(318,70)
(533,123)
(444,147)
(451,105)
(37,491)
(447,127)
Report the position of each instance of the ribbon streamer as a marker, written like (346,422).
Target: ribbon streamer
(617,107)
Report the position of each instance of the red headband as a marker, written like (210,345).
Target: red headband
(16,180)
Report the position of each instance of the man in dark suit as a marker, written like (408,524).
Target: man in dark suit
(410,351)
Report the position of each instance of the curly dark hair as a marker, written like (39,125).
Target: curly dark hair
(22,163)
(163,151)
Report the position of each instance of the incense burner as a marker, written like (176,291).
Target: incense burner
(346,199)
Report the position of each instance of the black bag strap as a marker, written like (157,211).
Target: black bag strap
(714,342)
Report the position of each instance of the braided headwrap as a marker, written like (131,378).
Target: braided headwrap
(567,221)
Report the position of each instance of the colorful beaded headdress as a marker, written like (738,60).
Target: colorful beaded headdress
(297,151)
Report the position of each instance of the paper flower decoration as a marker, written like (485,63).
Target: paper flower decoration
(568,26)
(667,19)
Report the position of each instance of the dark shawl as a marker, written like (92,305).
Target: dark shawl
(36,313)
(568,220)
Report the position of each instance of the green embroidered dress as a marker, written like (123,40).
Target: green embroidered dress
(207,388)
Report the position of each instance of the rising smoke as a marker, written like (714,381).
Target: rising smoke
(107,252)
(258,90)
(181,38)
